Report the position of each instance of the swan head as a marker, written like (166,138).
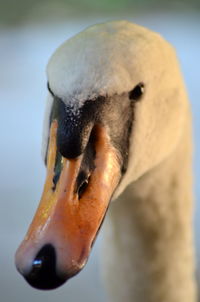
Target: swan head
(116,106)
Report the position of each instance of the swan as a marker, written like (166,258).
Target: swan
(117,127)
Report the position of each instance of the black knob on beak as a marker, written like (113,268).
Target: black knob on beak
(43,274)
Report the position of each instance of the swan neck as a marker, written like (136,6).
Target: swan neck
(149,234)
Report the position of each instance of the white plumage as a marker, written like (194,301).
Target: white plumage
(107,59)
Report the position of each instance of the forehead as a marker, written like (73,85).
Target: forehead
(103,60)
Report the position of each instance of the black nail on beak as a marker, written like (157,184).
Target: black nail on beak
(43,274)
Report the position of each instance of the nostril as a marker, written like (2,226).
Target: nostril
(82,187)
(82,183)
(55,180)
(57,170)
(43,274)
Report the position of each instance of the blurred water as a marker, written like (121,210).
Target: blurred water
(24,53)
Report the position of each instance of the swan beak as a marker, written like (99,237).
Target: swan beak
(66,223)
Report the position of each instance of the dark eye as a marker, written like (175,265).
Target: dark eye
(137,92)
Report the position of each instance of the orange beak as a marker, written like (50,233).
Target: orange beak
(66,223)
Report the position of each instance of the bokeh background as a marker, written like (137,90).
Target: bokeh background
(29,32)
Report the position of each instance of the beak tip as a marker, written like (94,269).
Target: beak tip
(45,283)
(43,273)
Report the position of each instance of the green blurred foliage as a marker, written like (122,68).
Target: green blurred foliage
(14,12)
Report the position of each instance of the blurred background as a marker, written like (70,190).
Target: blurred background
(29,33)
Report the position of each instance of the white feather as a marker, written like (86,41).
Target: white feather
(105,59)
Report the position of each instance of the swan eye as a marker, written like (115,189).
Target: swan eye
(137,92)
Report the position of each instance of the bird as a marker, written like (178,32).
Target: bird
(117,143)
